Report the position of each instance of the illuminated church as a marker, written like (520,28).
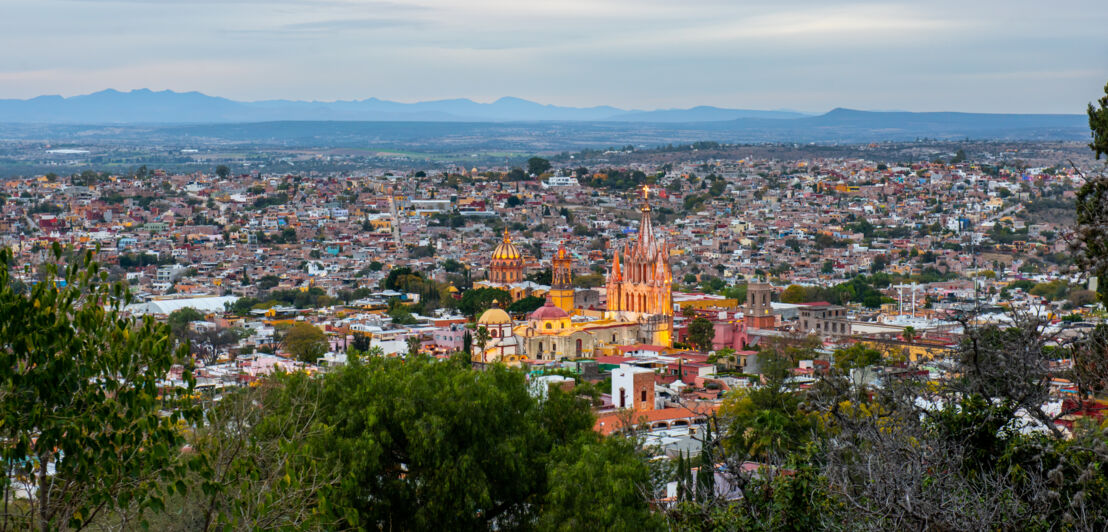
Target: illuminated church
(640,305)
(507,262)
(640,285)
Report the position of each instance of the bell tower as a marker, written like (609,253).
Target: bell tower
(758,311)
(561,289)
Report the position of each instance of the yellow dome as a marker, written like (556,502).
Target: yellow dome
(506,250)
(494,316)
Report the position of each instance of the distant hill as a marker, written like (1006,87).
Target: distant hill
(144,106)
(505,123)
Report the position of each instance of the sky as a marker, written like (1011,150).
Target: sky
(1027,56)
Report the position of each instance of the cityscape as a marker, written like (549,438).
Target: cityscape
(380,306)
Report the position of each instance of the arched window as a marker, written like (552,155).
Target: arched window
(540,349)
(547,325)
(495,332)
(578,347)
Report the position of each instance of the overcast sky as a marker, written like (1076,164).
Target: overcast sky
(1043,56)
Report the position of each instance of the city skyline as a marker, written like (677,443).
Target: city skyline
(984,57)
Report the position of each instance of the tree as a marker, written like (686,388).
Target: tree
(537,166)
(482,339)
(180,319)
(222,171)
(206,344)
(793,294)
(305,342)
(267,282)
(767,423)
(879,264)
(1098,125)
(414,344)
(400,314)
(909,334)
(526,305)
(857,356)
(476,301)
(736,292)
(598,469)
(401,278)
(361,342)
(91,436)
(426,444)
(263,473)
(701,333)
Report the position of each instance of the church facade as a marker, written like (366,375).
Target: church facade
(640,283)
(639,308)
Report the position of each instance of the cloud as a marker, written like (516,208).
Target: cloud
(809,54)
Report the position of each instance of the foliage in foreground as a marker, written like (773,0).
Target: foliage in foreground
(86,430)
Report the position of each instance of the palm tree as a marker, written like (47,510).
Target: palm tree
(414,344)
(482,339)
(909,334)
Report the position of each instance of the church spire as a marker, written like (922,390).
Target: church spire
(646,243)
(617,275)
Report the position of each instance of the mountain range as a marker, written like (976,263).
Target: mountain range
(144,106)
(507,122)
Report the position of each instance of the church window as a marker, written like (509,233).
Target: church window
(495,333)
(547,325)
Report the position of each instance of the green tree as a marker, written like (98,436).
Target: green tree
(767,423)
(1098,125)
(400,314)
(180,319)
(263,472)
(794,294)
(478,300)
(414,344)
(736,292)
(537,166)
(909,334)
(482,338)
(526,305)
(305,342)
(701,333)
(222,171)
(268,282)
(596,485)
(434,445)
(90,429)
(857,356)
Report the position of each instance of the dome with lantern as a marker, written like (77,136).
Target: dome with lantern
(507,262)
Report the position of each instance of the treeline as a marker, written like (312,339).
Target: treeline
(861,289)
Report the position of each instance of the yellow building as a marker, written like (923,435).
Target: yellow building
(507,262)
(561,292)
